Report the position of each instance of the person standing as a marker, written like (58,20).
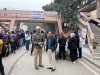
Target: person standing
(80,46)
(16,40)
(22,36)
(12,40)
(72,46)
(27,38)
(32,43)
(6,40)
(51,48)
(62,43)
(77,38)
(1,65)
(1,34)
(38,40)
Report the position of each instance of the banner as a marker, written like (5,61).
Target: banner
(84,32)
(79,32)
(37,15)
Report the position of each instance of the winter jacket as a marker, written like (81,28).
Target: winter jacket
(72,44)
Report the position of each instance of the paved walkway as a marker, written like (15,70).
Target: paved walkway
(22,63)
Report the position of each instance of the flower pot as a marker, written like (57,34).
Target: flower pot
(67,58)
(94,47)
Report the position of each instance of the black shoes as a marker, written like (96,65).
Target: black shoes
(53,70)
(36,67)
(50,68)
(41,66)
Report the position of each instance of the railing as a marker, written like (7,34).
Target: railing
(88,26)
(90,18)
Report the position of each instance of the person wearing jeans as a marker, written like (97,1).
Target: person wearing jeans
(27,38)
(32,49)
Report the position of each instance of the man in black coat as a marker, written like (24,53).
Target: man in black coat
(51,47)
(62,43)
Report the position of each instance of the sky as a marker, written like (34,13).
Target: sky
(35,5)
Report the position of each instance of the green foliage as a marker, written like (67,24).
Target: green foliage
(47,26)
(68,10)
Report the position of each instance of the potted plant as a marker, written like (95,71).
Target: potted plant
(95,43)
(67,55)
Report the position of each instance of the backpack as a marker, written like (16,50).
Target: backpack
(6,40)
(4,51)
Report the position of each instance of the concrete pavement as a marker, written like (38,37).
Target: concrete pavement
(22,63)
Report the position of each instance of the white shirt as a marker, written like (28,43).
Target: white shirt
(27,36)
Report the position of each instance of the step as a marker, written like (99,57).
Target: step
(96,54)
(96,57)
(96,50)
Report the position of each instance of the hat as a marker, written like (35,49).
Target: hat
(72,35)
(37,27)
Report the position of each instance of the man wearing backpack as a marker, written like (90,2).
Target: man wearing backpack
(1,65)
(6,40)
(12,40)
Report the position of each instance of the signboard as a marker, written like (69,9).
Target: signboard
(37,15)
(84,32)
(79,32)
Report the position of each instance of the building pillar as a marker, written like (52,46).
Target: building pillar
(12,24)
(18,26)
(60,25)
(98,9)
(3,27)
(56,27)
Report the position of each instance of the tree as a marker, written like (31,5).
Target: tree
(68,9)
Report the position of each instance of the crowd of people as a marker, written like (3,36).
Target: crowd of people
(15,40)
(73,43)
(9,43)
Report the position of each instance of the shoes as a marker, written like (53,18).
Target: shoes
(79,57)
(53,70)
(41,66)
(36,67)
(30,54)
(64,60)
(74,62)
(49,68)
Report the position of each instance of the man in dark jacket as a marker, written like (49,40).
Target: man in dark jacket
(62,43)
(72,46)
(51,47)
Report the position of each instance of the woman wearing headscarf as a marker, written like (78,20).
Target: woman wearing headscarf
(72,46)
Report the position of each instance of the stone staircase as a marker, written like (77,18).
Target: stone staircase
(96,31)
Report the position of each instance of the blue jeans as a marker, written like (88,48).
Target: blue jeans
(27,44)
(21,41)
(32,48)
